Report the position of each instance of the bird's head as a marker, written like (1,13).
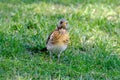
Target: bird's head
(62,24)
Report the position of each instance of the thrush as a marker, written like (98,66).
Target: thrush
(58,40)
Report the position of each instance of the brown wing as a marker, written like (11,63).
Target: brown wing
(51,35)
(57,36)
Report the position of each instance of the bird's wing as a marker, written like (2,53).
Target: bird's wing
(57,36)
(52,36)
(48,38)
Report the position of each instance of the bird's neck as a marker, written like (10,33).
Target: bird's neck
(61,28)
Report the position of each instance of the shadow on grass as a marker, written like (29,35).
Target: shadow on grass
(36,50)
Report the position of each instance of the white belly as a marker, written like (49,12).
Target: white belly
(56,48)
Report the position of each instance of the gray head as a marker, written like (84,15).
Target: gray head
(62,24)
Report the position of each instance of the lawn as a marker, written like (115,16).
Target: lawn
(93,52)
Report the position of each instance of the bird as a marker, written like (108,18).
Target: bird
(58,40)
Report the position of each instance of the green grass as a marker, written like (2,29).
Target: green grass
(93,52)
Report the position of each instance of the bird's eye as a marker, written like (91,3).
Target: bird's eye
(61,22)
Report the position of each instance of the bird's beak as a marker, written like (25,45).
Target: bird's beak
(66,25)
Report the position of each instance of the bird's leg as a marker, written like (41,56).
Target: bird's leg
(50,56)
(59,57)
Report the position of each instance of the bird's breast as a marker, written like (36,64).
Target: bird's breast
(58,41)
